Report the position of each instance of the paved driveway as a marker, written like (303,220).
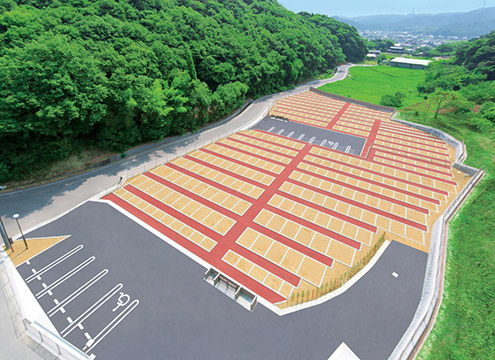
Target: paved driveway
(156,304)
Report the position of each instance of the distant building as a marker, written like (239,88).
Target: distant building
(409,63)
(371,56)
(396,49)
(376,52)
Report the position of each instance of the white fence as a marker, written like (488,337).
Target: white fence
(433,285)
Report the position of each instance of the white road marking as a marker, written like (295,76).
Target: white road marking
(91,310)
(290,134)
(69,320)
(300,136)
(44,285)
(62,310)
(323,142)
(54,263)
(28,262)
(280,131)
(56,301)
(270,129)
(347,149)
(33,270)
(395,275)
(335,145)
(80,326)
(92,357)
(106,330)
(65,277)
(312,139)
(87,336)
(78,292)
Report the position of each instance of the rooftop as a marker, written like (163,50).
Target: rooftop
(411,61)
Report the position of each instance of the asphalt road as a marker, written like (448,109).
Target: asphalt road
(180,316)
(42,203)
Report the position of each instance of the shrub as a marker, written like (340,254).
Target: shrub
(392,100)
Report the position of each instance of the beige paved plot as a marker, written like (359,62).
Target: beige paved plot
(248,159)
(172,223)
(195,210)
(208,192)
(259,274)
(234,168)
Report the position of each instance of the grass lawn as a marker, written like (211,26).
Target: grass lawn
(370,83)
(465,325)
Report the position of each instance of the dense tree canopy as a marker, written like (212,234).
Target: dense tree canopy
(479,55)
(464,81)
(115,73)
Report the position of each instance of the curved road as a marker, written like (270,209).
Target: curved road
(370,317)
(40,204)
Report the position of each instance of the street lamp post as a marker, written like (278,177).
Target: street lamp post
(16,217)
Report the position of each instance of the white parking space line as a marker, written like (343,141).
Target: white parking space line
(271,129)
(335,145)
(280,131)
(347,149)
(91,310)
(300,136)
(65,277)
(323,142)
(312,139)
(290,134)
(53,263)
(106,330)
(76,293)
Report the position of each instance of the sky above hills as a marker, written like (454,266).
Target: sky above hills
(366,7)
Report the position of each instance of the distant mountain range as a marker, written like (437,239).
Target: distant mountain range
(469,24)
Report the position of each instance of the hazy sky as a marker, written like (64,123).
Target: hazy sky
(352,8)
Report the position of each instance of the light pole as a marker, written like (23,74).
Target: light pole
(16,217)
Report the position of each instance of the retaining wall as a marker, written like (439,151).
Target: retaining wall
(431,297)
(354,101)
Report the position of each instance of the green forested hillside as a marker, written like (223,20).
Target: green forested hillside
(112,74)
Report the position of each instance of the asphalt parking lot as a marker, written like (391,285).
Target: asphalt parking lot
(327,138)
(129,295)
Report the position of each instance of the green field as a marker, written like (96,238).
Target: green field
(370,83)
(465,325)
